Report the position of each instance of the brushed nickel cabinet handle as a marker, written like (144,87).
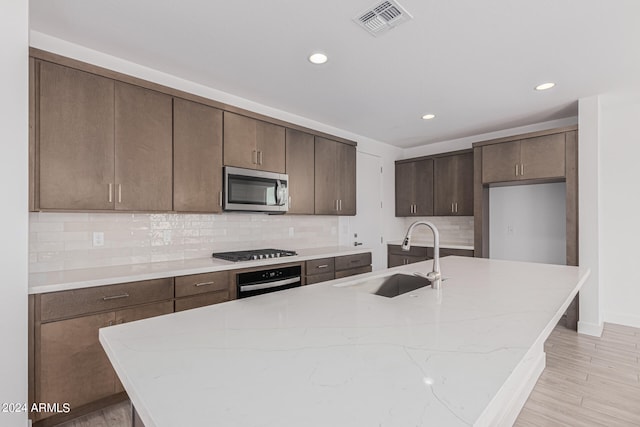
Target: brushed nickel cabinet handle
(115,297)
(521,168)
(456,207)
(322,266)
(340,204)
(254,157)
(110,192)
(452,208)
(197,285)
(119,193)
(290,204)
(516,169)
(220,199)
(260,157)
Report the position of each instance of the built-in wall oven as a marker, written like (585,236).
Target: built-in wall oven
(268,280)
(255,191)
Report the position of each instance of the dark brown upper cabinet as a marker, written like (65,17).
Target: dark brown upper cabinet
(144,169)
(335,177)
(75,147)
(414,188)
(300,162)
(453,185)
(540,157)
(197,157)
(101,145)
(253,144)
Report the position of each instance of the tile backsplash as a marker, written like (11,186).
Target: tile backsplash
(64,241)
(454,230)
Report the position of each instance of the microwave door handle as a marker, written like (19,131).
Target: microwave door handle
(279,193)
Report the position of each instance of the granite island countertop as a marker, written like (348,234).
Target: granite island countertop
(332,354)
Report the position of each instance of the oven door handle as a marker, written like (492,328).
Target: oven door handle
(247,288)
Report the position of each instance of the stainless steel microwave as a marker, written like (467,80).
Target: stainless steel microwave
(255,191)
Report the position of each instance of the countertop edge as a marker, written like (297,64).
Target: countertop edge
(55,281)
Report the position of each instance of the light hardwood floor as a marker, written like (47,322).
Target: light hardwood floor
(587,382)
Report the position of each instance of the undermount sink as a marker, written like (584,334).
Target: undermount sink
(392,286)
(399,284)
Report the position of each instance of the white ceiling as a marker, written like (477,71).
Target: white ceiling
(472,63)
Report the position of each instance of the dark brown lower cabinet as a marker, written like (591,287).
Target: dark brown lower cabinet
(396,256)
(321,270)
(71,364)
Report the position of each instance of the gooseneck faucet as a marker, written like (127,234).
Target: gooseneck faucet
(434,276)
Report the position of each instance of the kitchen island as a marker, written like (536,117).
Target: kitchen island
(333,354)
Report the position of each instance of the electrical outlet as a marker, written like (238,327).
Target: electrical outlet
(509,229)
(98,238)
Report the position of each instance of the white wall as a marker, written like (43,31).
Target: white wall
(528,223)
(14,176)
(464,143)
(589,146)
(620,207)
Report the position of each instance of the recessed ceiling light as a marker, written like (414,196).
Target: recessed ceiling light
(428,116)
(318,58)
(545,86)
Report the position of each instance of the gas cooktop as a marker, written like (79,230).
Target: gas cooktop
(253,255)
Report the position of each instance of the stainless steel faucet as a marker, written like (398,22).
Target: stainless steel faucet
(434,276)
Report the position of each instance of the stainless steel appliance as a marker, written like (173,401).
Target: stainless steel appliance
(255,191)
(253,254)
(270,280)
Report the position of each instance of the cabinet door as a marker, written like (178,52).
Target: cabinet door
(201,300)
(76,151)
(326,181)
(71,364)
(139,313)
(270,143)
(424,187)
(499,162)
(346,166)
(143,149)
(543,157)
(197,157)
(239,141)
(453,185)
(464,190)
(300,168)
(405,188)
(253,144)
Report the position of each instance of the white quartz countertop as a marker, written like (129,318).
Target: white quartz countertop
(327,355)
(429,244)
(81,278)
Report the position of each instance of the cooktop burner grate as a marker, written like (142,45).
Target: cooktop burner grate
(253,254)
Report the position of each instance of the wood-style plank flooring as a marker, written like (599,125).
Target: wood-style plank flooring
(587,382)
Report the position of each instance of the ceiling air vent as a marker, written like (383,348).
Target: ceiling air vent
(382,17)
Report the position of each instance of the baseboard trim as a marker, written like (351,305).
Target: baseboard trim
(623,319)
(593,329)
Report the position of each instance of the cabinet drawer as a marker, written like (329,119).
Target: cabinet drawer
(317,278)
(353,271)
(418,251)
(195,284)
(201,300)
(320,266)
(57,305)
(352,261)
(457,252)
(396,260)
